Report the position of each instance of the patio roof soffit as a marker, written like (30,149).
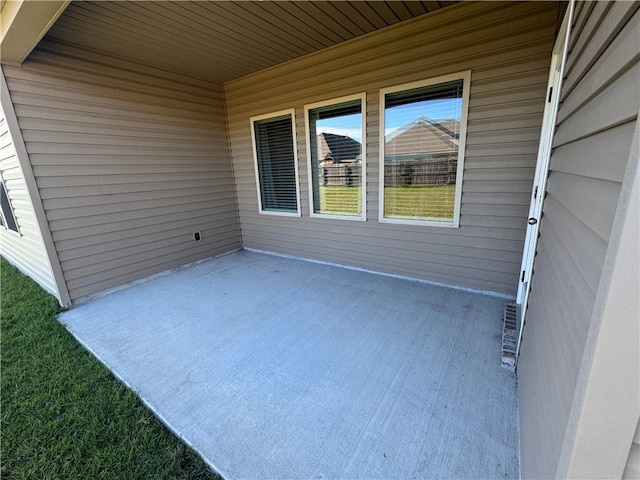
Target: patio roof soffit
(218,41)
(23,23)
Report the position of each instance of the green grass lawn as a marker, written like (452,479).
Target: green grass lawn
(341,200)
(63,415)
(434,201)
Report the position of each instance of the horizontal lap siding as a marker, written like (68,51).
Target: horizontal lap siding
(507,47)
(26,250)
(596,122)
(129,162)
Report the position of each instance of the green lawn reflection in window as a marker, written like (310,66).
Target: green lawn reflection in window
(422,128)
(336,160)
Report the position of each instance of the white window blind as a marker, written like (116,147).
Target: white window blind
(421,151)
(276,164)
(335,137)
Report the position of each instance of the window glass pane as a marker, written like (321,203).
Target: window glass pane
(422,130)
(6,209)
(276,164)
(336,158)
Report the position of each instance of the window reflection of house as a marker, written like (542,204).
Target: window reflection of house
(340,160)
(422,152)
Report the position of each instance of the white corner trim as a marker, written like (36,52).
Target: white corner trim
(34,193)
(606,403)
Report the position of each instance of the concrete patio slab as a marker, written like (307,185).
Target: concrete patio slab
(279,368)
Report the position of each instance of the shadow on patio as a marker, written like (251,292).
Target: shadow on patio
(279,368)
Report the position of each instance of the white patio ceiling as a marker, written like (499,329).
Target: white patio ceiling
(222,40)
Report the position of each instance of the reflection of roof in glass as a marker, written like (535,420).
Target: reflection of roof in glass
(424,136)
(338,148)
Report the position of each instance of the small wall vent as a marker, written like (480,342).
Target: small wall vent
(510,336)
(197,237)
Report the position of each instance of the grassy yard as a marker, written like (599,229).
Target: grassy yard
(341,200)
(401,202)
(435,201)
(64,416)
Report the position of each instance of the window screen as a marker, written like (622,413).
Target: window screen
(422,141)
(335,140)
(275,158)
(8,219)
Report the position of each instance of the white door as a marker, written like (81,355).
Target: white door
(554,85)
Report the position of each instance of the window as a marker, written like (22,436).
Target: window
(7,218)
(423,130)
(276,163)
(336,157)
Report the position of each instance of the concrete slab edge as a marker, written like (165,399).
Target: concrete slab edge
(146,402)
(488,293)
(124,286)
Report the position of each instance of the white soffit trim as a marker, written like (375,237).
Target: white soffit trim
(23,24)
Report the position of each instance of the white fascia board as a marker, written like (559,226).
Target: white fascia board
(23,24)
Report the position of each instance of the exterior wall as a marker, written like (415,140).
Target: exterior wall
(606,405)
(632,467)
(129,161)
(596,122)
(508,48)
(25,250)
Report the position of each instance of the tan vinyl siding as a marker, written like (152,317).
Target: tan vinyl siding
(129,162)
(596,121)
(507,47)
(632,468)
(25,250)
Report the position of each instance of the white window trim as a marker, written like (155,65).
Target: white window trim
(4,225)
(465,76)
(252,121)
(334,101)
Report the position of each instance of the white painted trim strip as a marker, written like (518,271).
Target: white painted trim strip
(556,74)
(488,293)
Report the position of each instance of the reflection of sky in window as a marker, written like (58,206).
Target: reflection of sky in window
(396,117)
(438,110)
(348,125)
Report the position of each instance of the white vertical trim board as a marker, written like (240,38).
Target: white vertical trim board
(554,86)
(336,101)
